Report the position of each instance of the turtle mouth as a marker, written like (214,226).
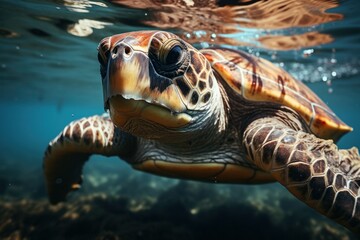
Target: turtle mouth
(123,110)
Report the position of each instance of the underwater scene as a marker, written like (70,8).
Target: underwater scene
(50,76)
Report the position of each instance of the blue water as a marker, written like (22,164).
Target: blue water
(49,76)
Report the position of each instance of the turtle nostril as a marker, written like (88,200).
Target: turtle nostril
(127,50)
(121,49)
(115,51)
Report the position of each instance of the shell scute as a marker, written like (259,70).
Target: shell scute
(257,79)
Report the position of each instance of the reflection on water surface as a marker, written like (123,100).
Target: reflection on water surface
(200,21)
(313,40)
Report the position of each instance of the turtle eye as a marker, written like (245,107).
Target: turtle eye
(169,58)
(174,55)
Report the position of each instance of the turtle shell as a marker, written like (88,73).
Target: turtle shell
(257,79)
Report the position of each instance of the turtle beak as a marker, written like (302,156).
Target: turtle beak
(112,51)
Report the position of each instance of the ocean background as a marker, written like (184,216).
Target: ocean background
(49,76)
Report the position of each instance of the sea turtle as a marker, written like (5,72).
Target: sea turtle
(217,115)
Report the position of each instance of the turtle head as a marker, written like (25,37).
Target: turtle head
(154,78)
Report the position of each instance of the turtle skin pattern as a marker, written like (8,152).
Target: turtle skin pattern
(67,153)
(312,169)
(265,135)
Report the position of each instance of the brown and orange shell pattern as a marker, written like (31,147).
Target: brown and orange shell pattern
(257,79)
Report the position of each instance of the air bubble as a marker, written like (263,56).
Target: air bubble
(204,45)
(213,36)
(194,211)
(187,35)
(330,90)
(324,78)
(17,47)
(308,52)
(333,74)
(197,34)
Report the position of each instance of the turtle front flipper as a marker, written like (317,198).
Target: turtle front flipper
(66,154)
(312,169)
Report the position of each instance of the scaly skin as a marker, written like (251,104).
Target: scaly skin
(214,115)
(312,169)
(67,153)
